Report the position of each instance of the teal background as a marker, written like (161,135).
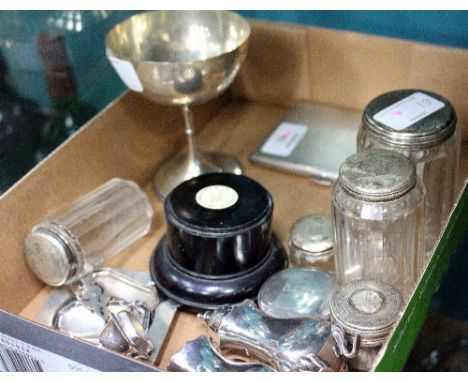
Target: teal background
(436,27)
(98,84)
(84,33)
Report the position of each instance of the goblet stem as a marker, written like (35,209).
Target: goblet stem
(188,165)
(193,156)
(197,163)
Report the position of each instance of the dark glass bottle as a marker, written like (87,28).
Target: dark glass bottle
(69,112)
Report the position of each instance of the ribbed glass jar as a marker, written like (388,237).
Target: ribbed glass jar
(428,137)
(378,220)
(79,238)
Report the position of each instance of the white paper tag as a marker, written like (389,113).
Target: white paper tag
(127,73)
(216,197)
(284,139)
(16,355)
(408,111)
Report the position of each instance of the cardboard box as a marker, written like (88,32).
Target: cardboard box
(133,136)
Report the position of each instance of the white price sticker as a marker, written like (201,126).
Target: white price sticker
(284,139)
(408,111)
(19,356)
(127,73)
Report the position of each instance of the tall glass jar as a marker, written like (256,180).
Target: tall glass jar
(378,220)
(422,126)
(79,238)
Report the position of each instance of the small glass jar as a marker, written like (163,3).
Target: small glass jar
(363,313)
(77,239)
(422,126)
(311,243)
(378,219)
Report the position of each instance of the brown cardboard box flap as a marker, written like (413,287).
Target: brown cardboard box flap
(287,63)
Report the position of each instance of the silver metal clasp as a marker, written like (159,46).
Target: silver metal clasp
(341,344)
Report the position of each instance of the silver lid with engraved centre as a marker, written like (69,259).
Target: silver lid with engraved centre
(377,175)
(366,307)
(429,131)
(313,234)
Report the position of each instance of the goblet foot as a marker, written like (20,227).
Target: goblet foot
(180,168)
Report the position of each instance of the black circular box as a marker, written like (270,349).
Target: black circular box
(219,247)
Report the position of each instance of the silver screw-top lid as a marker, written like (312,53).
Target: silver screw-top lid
(429,118)
(366,307)
(313,234)
(49,257)
(377,175)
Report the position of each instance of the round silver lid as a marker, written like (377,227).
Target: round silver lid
(297,293)
(49,257)
(377,175)
(428,130)
(366,307)
(312,234)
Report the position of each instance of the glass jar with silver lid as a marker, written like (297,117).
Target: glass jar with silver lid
(311,243)
(378,219)
(363,313)
(77,239)
(422,126)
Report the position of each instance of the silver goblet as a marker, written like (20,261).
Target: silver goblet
(181,58)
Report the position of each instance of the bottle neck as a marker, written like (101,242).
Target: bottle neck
(58,73)
(61,86)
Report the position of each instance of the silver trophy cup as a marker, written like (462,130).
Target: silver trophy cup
(181,58)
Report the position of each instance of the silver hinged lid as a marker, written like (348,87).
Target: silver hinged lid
(313,234)
(366,307)
(49,257)
(377,175)
(429,128)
